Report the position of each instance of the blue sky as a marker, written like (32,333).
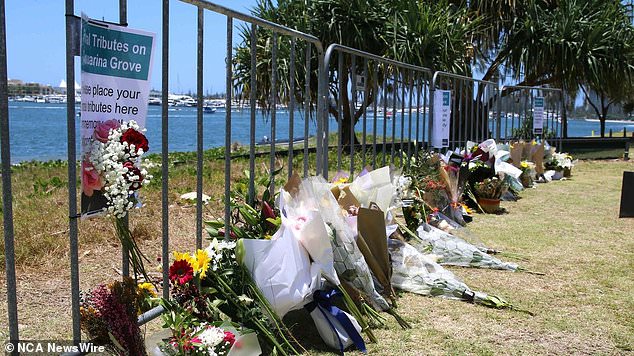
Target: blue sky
(36,39)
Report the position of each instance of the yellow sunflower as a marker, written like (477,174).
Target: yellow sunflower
(147,289)
(182,256)
(201,262)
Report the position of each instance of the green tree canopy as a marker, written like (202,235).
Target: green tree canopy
(572,44)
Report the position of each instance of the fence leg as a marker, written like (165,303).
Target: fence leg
(7,200)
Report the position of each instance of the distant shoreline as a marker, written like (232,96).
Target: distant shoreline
(624,121)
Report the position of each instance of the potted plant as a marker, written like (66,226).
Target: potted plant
(488,193)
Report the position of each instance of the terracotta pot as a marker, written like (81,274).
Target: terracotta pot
(490,206)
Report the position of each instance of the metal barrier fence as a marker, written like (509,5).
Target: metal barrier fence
(385,89)
(517,108)
(7,199)
(474,111)
(279,36)
(298,95)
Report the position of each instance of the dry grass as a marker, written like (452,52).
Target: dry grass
(568,229)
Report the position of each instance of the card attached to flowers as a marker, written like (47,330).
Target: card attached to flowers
(116,66)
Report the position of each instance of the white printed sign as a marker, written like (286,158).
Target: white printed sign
(442,119)
(360,83)
(116,66)
(538,116)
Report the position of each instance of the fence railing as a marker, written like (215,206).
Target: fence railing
(517,109)
(474,112)
(281,36)
(386,100)
(375,90)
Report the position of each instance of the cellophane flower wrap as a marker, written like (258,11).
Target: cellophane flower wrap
(117,161)
(456,251)
(109,317)
(419,273)
(455,177)
(113,165)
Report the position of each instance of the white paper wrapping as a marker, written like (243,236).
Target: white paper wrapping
(331,337)
(281,269)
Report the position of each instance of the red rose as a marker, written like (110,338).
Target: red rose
(230,338)
(133,171)
(181,272)
(134,137)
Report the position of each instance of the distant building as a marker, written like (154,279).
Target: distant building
(19,88)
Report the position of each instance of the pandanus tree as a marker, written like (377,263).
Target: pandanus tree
(570,44)
(417,32)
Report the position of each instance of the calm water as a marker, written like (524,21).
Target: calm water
(38,131)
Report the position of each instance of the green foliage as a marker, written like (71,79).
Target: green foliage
(525,130)
(490,188)
(573,43)
(44,187)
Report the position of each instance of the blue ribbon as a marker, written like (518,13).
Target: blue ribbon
(323,301)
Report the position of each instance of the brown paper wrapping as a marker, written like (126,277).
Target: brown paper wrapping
(538,159)
(372,242)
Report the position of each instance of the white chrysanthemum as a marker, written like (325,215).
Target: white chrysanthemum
(211,336)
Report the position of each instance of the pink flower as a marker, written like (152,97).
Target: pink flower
(90,179)
(102,130)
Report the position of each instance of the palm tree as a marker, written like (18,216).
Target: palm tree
(419,33)
(587,44)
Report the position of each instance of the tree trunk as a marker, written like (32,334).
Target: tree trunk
(345,122)
(602,123)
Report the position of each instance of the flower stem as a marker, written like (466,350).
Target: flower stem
(134,253)
(357,314)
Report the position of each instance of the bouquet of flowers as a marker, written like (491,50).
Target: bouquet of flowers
(109,317)
(212,285)
(455,177)
(560,162)
(193,337)
(114,166)
(112,173)
(458,252)
(528,173)
(418,273)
